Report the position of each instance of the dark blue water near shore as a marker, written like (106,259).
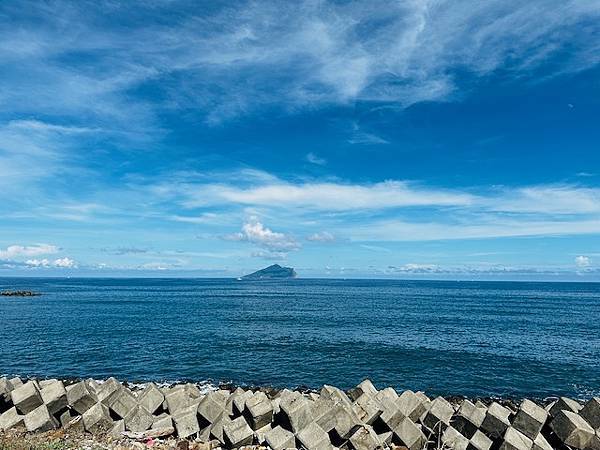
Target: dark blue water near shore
(469,338)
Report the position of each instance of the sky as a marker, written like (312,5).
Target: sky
(381,139)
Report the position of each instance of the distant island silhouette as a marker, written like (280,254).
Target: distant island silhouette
(274,271)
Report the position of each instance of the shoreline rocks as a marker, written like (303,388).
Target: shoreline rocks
(364,418)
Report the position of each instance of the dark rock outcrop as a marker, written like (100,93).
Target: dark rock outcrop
(272,272)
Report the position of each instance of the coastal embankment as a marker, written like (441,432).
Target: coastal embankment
(111,414)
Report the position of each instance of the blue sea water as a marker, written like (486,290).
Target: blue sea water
(454,338)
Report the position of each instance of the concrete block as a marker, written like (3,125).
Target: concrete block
(177,399)
(239,398)
(97,418)
(279,438)
(117,429)
(364,387)
(259,410)
(410,435)
(515,440)
(438,415)
(564,404)
(313,437)
(105,391)
(452,438)
(212,406)
(40,420)
(411,405)
(237,433)
(122,401)
(216,429)
(591,412)
(480,441)
(186,421)
(572,429)
(16,382)
(260,434)
(530,419)
(162,421)
(54,395)
(66,417)
(385,438)
(26,397)
(11,419)
(151,398)
(364,438)
(468,419)
(138,419)
(496,421)
(367,409)
(80,398)
(345,421)
(540,443)
(297,412)
(5,390)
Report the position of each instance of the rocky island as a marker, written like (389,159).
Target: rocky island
(272,272)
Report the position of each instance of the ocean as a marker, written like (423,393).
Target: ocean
(511,339)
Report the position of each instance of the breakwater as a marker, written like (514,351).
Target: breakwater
(363,418)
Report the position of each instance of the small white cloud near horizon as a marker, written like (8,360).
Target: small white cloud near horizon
(60,263)
(582,261)
(15,251)
(323,236)
(254,232)
(315,159)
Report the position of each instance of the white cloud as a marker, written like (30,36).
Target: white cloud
(323,236)
(62,263)
(317,195)
(256,233)
(550,199)
(65,263)
(16,251)
(582,261)
(314,159)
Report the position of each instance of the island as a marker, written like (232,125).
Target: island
(271,273)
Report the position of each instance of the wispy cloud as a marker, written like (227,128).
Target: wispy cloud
(321,236)
(17,251)
(314,159)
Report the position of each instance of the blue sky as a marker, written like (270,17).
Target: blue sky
(408,139)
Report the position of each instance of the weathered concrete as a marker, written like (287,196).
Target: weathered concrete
(410,434)
(297,411)
(186,421)
(106,390)
(138,419)
(591,412)
(97,418)
(438,415)
(212,406)
(515,440)
(121,402)
(151,398)
(54,396)
(364,438)
(26,397)
(40,420)
(564,404)
(80,398)
(162,421)
(278,438)
(480,441)
(496,421)
(237,433)
(452,438)
(259,410)
(572,429)
(530,419)
(11,419)
(313,437)
(468,419)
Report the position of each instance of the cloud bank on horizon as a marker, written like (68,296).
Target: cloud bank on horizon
(417,138)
